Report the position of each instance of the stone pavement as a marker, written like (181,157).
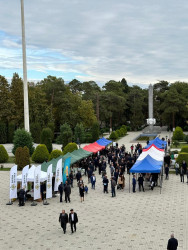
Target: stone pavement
(138,221)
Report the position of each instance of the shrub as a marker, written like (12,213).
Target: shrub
(125,129)
(113,135)
(65,135)
(122,132)
(22,157)
(176,143)
(185,128)
(184,149)
(178,134)
(40,154)
(70,148)
(79,133)
(182,157)
(55,154)
(46,138)
(3,133)
(186,138)
(118,132)
(3,154)
(88,137)
(11,130)
(128,128)
(35,132)
(22,138)
(95,131)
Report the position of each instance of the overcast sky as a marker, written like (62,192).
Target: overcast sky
(141,40)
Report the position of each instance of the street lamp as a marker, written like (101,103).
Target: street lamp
(25,85)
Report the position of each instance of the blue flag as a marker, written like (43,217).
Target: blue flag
(66,169)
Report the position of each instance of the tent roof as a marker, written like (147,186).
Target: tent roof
(30,176)
(45,165)
(81,153)
(94,147)
(152,146)
(157,142)
(156,154)
(147,165)
(103,142)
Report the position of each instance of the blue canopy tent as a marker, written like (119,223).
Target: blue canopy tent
(158,143)
(147,165)
(103,142)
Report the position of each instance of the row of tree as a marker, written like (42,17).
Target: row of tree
(52,103)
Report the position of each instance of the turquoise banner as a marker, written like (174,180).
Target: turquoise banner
(66,169)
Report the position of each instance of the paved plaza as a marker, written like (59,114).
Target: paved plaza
(138,221)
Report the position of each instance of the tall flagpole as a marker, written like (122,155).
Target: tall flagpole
(25,85)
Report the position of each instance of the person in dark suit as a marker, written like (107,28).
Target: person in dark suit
(73,219)
(134,184)
(67,190)
(63,219)
(141,182)
(21,196)
(172,243)
(60,189)
(93,180)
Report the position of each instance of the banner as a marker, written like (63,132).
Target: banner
(49,182)
(37,183)
(58,175)
(66,169)
(24,177)
(13,182)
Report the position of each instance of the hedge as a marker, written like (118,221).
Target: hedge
(40,154)
(22,157)
(55,154)
(182,157)
(70,148)
(3,154)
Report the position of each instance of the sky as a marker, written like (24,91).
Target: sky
(143,41)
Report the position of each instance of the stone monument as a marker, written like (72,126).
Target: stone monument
(150,121)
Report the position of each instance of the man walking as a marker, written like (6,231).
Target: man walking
(63,219)
(113,185)
(60,189)
(172,243)
(93,180)
(67,190)
(73,219)
(105,184)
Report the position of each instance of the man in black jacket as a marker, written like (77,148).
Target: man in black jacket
(172,243)
(60,189)
(21,196)
(73,219)
(67,190)
(63,218)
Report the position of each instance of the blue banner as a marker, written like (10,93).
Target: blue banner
(66,169)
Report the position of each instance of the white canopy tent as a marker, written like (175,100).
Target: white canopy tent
(30,176)
(156,154)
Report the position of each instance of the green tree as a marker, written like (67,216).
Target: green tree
(46,138)
(55,154)
(95,131)
(75,86)
(16,89)
(22,157)
(40,154)
(65,135)
(79,133)
(86,113)
(3,154)
(3,132)
(178,134)
(22,138)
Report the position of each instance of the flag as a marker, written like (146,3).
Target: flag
(13,182)
(58,175)
(37,183)
(24,176)
(49,182)
(66,169)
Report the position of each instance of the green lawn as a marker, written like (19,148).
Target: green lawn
(179,146)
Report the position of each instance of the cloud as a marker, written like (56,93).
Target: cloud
(142,41)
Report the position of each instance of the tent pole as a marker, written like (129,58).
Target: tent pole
(129,183)
(160,183)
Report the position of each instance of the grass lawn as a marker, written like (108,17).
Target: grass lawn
(179,146)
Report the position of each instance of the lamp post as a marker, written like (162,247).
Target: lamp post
(25,85)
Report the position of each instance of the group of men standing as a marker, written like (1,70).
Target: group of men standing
(72,219)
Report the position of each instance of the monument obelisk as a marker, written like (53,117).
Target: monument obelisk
(150,121)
